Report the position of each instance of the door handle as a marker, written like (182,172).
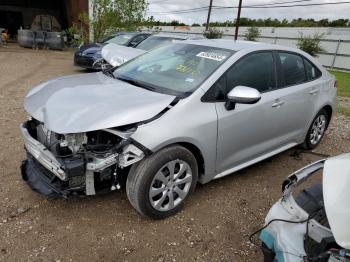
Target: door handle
(313,92)
(278,103)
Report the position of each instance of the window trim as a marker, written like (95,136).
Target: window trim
(271,51)
(279,72)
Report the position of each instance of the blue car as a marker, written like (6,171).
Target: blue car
(88,54)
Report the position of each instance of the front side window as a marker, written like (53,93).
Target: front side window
(175,69)
(292,70)
(255,71)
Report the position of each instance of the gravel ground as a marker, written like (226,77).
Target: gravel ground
(213,226)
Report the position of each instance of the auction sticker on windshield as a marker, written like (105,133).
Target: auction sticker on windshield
(212,56)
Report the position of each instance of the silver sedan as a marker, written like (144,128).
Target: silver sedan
(189,112)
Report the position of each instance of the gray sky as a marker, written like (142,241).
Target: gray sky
(316,12)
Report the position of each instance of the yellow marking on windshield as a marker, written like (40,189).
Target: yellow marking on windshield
(189,67)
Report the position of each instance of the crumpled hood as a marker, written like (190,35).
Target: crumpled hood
(87,102)
(117,55)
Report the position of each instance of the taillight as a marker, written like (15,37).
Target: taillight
(336,83)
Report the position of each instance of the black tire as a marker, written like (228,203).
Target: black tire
(142,174)
(307,144)
(311,200)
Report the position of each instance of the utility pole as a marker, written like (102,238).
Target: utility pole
(208,18)
(238,18)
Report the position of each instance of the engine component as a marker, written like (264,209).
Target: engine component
(74,141)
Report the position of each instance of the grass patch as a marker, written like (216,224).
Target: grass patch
(343,82)
(343,110)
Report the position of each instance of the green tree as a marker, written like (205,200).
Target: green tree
(114,15)
(252,34)
(311,44)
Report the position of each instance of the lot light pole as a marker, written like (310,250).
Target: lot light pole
(238,18)
(208,18)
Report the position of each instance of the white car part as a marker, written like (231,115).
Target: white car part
(336,194)
(116,54)
(286,239)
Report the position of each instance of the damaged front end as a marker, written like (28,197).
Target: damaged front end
(59,165)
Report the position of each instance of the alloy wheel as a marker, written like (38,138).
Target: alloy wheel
(170,185)
(318,129)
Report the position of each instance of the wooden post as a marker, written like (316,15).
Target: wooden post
(238,18)
(208,18)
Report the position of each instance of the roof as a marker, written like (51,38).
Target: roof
(130,33)
(237,45)
(178,36)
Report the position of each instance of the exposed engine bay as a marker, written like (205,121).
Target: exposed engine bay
(79,163)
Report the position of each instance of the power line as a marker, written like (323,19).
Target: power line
(217,7)
(205,8)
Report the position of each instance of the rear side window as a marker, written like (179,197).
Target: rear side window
(256,71)
(292,71)
(312,72)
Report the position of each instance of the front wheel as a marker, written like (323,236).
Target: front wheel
(158,185)
(316,130)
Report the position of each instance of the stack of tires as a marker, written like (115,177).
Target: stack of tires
(40,39)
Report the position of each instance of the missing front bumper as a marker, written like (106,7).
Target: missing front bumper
(42,181)
(87,173)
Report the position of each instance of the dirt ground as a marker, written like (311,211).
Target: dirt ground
(213,226)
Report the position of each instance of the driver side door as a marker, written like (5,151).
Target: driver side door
(249,131)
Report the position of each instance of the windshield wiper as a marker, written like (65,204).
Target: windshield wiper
(136,83)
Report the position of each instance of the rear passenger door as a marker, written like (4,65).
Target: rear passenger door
(298,92)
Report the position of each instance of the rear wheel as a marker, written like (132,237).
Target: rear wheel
(316,130)
(158,185)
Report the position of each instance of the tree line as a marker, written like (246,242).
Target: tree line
(269,22)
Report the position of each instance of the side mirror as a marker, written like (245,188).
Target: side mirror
(242,95)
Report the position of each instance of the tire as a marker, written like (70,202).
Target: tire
(154,173)
(315,134)
(311,200)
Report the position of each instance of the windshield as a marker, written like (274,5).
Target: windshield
(176,69)
(156,41)
(119,39)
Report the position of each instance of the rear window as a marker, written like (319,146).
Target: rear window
(154,42)
(119,39)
